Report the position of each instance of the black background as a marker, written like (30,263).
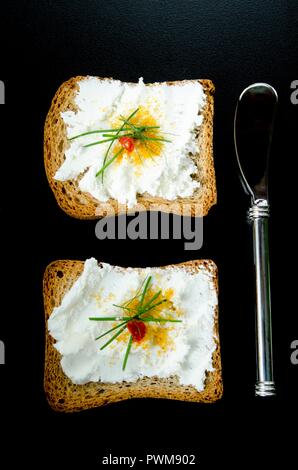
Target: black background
(234,43)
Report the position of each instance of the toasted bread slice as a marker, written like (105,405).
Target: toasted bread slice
(84,206)
(63,395)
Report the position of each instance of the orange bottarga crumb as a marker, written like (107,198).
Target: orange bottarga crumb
(143,149)
(157,334)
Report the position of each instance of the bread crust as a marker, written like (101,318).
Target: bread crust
(63,395)
(84,206)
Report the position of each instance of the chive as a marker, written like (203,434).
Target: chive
(154,297)
(139,136)
(104,318)
(138,293)
(122,306)
(92,132)
(127,352)
(126,121)
(112,329)
(114,137)
(163,320)
(100,142)
(100,131)
(116,130)
(109,162)
(109,148)
(144,291)
(113,337)
(145,128)
(143,137)
(153,306)
(117,137)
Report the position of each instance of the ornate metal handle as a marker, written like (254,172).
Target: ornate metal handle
(258,215)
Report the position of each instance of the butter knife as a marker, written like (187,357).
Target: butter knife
(253,128)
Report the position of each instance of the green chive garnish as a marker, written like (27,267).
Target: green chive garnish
(127,352)
(112,135)
(137,313)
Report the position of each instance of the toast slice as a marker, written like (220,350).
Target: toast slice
(83,205)
(63,395)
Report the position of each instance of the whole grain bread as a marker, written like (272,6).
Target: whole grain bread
(63,395)
(84,206)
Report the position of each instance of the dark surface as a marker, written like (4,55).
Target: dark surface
(233,43)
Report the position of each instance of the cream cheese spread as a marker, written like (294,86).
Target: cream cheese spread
(177,110)
(185,351)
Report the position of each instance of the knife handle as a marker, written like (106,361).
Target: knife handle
(258,215)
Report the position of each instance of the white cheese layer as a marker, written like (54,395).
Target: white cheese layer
(175,108)
(191,342)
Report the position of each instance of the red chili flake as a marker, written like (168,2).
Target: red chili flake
(137,329)
(127,143)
